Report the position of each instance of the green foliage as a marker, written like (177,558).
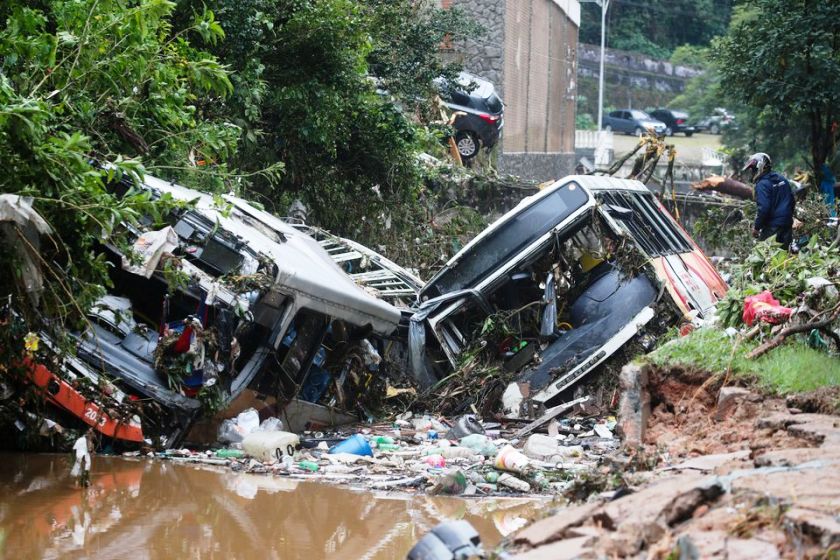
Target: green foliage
(656,27)
(793,367)
(782,60)
(585,121)
(406,40)
(90,82)
(690,55)
(305,95)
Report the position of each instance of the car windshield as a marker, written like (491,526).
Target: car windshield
(494,104)
(640,115)
(519,231)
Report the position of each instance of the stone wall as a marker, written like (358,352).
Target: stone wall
(529,52)
(484,56)
(537,167)
(632,79)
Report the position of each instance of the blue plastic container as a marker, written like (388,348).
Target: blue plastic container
(355,445)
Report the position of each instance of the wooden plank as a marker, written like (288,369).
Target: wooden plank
(551,413)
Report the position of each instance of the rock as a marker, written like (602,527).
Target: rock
(749,549)
(818,525)
(818,428)
(555,527)
(567,549)
(697,545)
(730,399)
(708,463)
(634,407)
(796,456)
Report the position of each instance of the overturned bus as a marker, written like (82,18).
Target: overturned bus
(584,266)
(226,307)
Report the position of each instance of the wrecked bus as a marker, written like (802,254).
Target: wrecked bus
(226,307)
(585,265)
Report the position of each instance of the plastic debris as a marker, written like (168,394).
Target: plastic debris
(354,445)
(270,446)
(764,307)
(511,459)
(464,426)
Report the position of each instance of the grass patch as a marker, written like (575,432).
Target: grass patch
(792,368)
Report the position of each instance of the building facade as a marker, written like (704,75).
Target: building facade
(529,51)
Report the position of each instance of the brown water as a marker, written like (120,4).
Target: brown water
(152,509)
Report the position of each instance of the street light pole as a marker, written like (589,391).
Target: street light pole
(605,4)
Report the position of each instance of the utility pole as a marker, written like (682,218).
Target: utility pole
(605,4)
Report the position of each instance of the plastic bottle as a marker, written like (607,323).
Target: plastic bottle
(539,446)
(510,459)
(310,466)
(457,453)
(480,444)
(437,461)
(230,453)
(377,440)
(387,446)
(514,483)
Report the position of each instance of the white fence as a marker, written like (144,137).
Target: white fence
(599,140)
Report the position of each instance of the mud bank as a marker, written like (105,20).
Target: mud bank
(737,475)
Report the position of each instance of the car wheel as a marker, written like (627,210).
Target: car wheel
(467,144)
(669,132)
(714,129)
(638,131)
(688,134)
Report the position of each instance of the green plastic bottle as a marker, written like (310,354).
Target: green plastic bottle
(310,466)
(230,453)
(387,446)
(382,440)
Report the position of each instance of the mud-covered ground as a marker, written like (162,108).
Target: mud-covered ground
(737,475)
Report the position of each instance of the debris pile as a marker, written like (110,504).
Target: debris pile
(465,457)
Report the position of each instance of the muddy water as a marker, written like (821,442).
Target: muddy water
(150,509)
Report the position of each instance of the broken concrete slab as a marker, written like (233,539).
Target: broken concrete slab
(823,527)
(568,549)
(796,456)
(556,526)
(709,463)
(730,399)
(714,545)
(634,408)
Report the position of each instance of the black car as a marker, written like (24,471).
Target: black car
(675,121)
(481,123)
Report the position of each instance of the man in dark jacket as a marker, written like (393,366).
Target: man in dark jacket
(774,199)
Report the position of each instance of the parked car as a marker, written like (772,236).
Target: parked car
(632,121)
(717,122)
(482,120)
(581,268)
(675,121)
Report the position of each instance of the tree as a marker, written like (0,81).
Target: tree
(782,60)
(656,27)
(89,82)
(331,88)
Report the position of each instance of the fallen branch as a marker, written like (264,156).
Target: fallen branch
(780,338)
(724,185)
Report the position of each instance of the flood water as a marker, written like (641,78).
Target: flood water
(153,509)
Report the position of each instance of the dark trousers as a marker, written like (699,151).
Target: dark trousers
(784,235)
